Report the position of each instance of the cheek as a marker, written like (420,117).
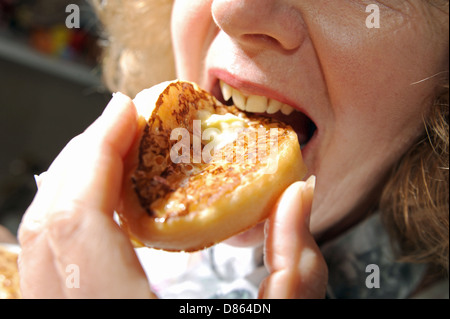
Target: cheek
(370,75)
(191,27)
(377,110)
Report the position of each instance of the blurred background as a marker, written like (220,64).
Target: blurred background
(50,91)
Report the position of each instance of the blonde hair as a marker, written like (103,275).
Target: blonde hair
(415,202)
(137,46)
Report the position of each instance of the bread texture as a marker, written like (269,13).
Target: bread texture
(177,199)
(9,274)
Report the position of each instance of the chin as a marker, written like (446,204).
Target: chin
(252,237)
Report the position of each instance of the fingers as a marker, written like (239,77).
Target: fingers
(70,220)
(90,166)
(296,266)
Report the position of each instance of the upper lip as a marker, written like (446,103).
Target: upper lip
(245,86)
(249,88)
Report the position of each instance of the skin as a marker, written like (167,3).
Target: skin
(356,85)
(319,56)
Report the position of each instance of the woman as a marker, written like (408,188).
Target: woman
(372,117)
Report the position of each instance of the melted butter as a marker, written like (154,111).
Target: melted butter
(173,206)
(223,129)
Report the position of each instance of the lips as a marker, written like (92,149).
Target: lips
(269,107)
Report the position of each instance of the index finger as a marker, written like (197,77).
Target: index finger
(70,220)
(88,171)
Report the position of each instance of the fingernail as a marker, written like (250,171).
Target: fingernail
(308,195)
(311,182)
(117,95)
(118,99)
(266,227)
(38,179)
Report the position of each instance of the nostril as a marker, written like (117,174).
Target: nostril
(255,23)
(261,38)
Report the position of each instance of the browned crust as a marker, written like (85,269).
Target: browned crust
(168,191)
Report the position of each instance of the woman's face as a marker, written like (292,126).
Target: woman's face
(360,87)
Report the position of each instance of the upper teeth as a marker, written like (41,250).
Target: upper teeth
(254,103)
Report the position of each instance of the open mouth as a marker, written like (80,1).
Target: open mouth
(300,122)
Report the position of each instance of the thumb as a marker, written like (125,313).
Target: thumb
(296,266)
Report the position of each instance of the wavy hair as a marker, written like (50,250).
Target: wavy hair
(415,201)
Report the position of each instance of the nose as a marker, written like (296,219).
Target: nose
(260,23)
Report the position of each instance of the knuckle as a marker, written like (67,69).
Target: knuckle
(29,228)
(59,224)
(65,222)
(26,234)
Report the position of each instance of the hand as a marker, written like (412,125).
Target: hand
(70,221)
(296,266)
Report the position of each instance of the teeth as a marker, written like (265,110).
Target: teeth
(286,109)
(239,99)
(227,90)
(274,106)
(254,103)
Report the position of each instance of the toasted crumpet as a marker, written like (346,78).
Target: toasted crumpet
(192,200)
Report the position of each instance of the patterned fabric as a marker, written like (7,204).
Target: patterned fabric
(362,265)
(359,261)
(218,272)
